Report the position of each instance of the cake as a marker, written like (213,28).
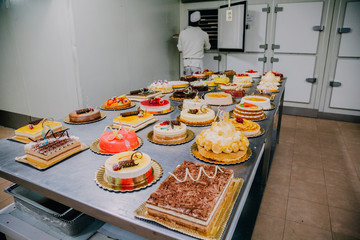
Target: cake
(195,103)
(244,80)
(134,120)
(267,86)
(222,142)
(155,106)
(188,78)
(164,87)
(246,127)
(253,73)
(221,79)
(270,77)
(263,94)
(248,111)
(142,94)
(84,115)
(192,196)
(218,98)
(199,86)
(169,132)
(263,102)
(179,84)
(127,170)
(210,82)
(229,73)
(208,72)
(187,93)
(226,86)
(197,113)
(34,130)
(118,102)
(51,150)
(118,140)
(199,74)
(238,92)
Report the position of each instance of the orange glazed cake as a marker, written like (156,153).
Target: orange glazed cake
(117,102)
(192,196)
(246,127)
(248,111)
(134,120)
(218,98)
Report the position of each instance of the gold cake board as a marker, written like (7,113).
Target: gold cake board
(42,166)
(223,215)
(138,127)
(102,116)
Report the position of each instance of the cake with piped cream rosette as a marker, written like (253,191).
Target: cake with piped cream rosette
(196,112)
(155,106)
(128,170)
(117,102)
(248,111)
(169,132)
(195,103)
(253,73)
(227,86)
(222,142)
(192,196)
(161,86)
(218,98)
(84,115)
(243,80)
(270,77)
(117,140)
(34,130)
(246,127)
(267,87)
(263,102)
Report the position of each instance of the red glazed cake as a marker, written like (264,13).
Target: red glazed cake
(156,105)
(118,140)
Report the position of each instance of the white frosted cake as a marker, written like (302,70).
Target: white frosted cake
(263,102)
(243,80)
(218,98)
(253,73)
(268,87)
(169,132)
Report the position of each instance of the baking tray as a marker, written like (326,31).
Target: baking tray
(66,219)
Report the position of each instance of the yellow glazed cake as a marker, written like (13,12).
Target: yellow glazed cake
(221,79)
(134,120)
(246,127)
(34,130)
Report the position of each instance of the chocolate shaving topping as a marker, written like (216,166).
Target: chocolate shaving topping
(84,110)
(131,113)
(35,122)
(141,91)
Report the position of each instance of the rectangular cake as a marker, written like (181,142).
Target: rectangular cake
(34,130)
(52,149)
(142,94)
(192,201)
(134,122)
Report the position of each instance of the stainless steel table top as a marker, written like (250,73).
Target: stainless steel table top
(71,182)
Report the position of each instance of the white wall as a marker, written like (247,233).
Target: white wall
(59,55)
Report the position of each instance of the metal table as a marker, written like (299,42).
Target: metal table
(71,182)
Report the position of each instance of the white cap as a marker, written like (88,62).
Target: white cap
(195,16)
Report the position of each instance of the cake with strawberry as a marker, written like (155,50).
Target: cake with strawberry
(169,132)
(117,140)
(246,127)
(197,114)
(161,86)
(253,73)
(248,111)
(118,102)
(155,106)
(243,80)
(128,170)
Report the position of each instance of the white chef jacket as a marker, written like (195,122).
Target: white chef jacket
(192,42)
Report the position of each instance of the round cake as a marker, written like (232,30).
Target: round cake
(253,73)
(118,140)
(244,80)
(160,86)
(221,79)
(155,106)
(270,77)
(236,92)
(248,111)
(222,142)
(195,103)
(218,98)
(263,102)
(199,86)
(247,127)
(128,169)
(179,84)
(200,74)
(117,102)
(227,86)
(187,93)
(197,116)
(188,78)
(169,132)
(268,86)
(84,115)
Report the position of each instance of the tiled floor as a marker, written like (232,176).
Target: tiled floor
(313,191)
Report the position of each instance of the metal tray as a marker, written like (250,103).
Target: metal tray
(66,219)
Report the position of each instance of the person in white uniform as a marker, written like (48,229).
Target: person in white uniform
(192,42)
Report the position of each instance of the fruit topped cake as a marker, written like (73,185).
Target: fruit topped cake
(84,115)
(169,132)
(128,170)
(248,111)
(34,130)
(246,127)
(192,196)
(243,79)
(161,86)
(222,142)
(118,140)
(261,101)
(196,112)
(278,76)
(155,106)
(253,73)
(117,102)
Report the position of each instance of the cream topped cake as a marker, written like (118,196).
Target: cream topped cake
(244,80)
(196,112)
(169,132)
(263,102)
(252,73)
(134,120)
(246,127)
(218,98)
(192,196)
(161,86)
(248,111)
(268,86)
(157,105)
